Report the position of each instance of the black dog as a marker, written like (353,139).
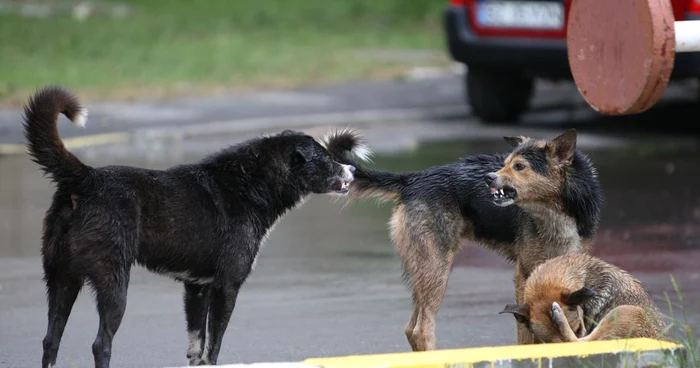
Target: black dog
(201,224)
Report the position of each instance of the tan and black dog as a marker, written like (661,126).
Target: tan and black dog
(540,176)
(569,295)
(557,206)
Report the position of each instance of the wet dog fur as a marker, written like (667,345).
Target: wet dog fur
(549,181)
(201,224)
(557,212)
(571,294)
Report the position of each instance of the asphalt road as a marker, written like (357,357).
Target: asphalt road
(439,96)
(328,282)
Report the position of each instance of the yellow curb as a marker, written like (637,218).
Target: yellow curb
(468,357)
(72,143)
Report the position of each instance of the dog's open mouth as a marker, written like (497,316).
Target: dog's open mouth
(341,187)
(504,196)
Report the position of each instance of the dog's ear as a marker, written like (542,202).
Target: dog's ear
(562,148)
(288,132)
(303,152)
(514,141)
(521,312)
(578,297)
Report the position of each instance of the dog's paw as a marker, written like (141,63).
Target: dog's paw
(557,313)
(197,360)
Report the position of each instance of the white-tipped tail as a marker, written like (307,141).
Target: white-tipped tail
(348,139)
(81,117)
(362,152)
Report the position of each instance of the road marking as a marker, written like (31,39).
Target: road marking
(488,356)
(631,351)
(73,142)
(254,124)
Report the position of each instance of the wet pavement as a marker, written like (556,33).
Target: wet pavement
(328,281)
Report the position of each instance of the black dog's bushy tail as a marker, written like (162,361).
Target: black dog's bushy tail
(346,145)
(44,143)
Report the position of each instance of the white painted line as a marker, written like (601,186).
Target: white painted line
(253,124)
(71,143)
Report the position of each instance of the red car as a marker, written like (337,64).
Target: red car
(507,44)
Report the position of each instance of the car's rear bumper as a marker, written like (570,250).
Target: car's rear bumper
(538,57)
(530,54)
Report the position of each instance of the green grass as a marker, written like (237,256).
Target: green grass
(170,45)
(681,329)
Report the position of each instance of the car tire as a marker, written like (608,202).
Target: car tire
(497,96)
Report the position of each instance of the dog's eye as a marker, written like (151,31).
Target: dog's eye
(519,166)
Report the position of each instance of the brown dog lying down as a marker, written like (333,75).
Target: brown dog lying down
(625,321)
(571,294)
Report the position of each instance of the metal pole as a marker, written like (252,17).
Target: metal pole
(687,35)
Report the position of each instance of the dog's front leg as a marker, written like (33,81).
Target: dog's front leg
(524,336)
(196,300)
(222,301)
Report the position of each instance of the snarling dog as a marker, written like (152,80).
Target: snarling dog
(549,180)
(202,223)
(571,294)
(439,207)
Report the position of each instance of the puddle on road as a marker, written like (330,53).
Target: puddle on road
(650,222)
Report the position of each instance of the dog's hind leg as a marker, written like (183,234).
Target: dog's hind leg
(108,252)
(430,285)
(426,241)
(111,290)
(559,319)
(411,324)
(623,322)
(406,251)
(62,290)
(63,284)
(196,300)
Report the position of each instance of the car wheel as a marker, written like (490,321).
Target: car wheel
(497,96)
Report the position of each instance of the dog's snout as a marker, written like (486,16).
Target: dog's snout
(348,171)
(490,178)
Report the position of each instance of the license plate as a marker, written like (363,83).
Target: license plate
(520,14)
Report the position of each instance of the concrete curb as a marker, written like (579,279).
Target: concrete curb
(238,126)
(261,365)
(631,353)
